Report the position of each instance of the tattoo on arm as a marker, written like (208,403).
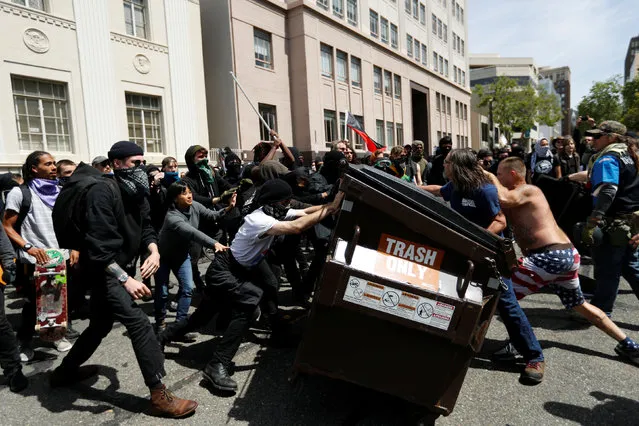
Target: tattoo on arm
(114,270)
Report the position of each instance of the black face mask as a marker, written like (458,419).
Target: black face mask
(276,211)
(63,180)
(445,150)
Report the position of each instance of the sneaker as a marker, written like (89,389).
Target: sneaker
(187,338)
(26,353)
(173,306)
(632,354)
(17,382)
(533,374)
(72,334)
(63,345)
(507,354)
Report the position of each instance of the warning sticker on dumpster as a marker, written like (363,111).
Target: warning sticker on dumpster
(399,303)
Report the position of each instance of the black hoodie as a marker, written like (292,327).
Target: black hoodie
(197,181)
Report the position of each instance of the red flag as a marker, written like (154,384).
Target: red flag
(353,124)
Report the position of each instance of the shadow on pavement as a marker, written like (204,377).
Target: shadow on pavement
(69,399)
(547,344)
(614,409)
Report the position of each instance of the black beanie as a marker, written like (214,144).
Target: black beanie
(333,158)
(124,149)
(274,191)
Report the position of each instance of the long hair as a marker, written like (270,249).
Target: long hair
(465,171)
(32,161)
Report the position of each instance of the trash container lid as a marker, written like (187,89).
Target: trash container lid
(427,204)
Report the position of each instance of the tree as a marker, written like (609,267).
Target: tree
(517,107)
(603,102)
(630,93)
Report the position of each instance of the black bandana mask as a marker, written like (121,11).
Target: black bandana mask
(133,181)
(276,211)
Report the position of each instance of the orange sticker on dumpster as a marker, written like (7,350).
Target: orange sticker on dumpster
(408,262)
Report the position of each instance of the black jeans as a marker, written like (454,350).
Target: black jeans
(110,302)
(211,304)
(9,355)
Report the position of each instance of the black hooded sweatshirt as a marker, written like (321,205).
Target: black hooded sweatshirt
(197,181)
(118,226)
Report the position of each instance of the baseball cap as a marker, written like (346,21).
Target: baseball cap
(608,127)
(99,160)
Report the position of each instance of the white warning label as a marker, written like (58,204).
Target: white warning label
(399,303)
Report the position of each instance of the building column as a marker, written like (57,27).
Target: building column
(98,76)
(182,75)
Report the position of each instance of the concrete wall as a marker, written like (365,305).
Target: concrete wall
(87,48)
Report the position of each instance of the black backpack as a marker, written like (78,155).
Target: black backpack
(69,211)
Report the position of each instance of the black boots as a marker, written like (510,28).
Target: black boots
(219,377)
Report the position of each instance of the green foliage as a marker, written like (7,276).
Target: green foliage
(517,106)
(603,102)
(630,93)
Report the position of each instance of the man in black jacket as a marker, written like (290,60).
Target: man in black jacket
(205,184)
(118,225)
(436,176)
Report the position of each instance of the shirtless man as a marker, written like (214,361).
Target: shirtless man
(549,256)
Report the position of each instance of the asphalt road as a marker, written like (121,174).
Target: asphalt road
(585,383)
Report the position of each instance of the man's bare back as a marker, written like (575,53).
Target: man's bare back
(532,220)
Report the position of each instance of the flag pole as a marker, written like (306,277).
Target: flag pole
(250,103)
(345,126)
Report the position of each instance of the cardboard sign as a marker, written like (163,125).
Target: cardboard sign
(409,262)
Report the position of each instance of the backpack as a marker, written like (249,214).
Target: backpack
(6,185)
(69,211)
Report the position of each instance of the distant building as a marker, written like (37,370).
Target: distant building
(79,75)
(631,57)
(486,69)
(634,68)
(400,67)
(561,79)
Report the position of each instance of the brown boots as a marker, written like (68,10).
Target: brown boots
(165,404)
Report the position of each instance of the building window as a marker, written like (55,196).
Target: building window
(397,84)
(377,80)
(438,106)
(440,29)
(422,14)
(400,134)
(443,102)
(455,73)
(374,23)
(457,138)
(435,62)
(465,112)
(439,135)
(484,132)
(33,4)
(379,127)
(409,45)
(359,142)
(424,55)
(144,118)
(42,114)
(441,65)
(454,41)
(356,72)
(445,33)
(388,82)
(417,45)
(269,114)
(457,109)
(393,35)
(448,108)
(338,8)
(463,78)
(462,48)
(351,11)
(263,50)
(446,67)
(415,9)
(384,30)
(407,6)
(342,66)
(327,60)
(134,18)
(434,22)
(390,133)
(323,4)
(330,127)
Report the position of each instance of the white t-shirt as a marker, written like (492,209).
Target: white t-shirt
(251,242)
(37,227)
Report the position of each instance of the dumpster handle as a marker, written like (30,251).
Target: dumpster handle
(350,248)
(462,286)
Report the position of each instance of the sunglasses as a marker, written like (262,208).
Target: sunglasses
(138,163)
(599,136)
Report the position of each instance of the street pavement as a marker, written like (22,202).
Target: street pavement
(585,382)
